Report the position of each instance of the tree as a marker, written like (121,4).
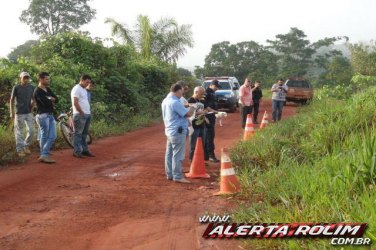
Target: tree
(49,17)
(165,39)
(295,53)
(363,58)
(182,72)
(244,59)
(339,71)
(22,50)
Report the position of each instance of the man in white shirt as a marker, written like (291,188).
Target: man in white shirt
(81,117)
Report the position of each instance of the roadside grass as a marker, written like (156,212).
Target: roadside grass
(98,129)
(319,166)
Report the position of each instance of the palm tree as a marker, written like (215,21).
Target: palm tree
(165,39)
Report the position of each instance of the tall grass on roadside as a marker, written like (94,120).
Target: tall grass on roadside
(319,166)
(7,145)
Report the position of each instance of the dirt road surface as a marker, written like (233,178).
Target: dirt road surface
(117,200)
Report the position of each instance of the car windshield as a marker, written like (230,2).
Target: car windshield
(298,84)
(225,85)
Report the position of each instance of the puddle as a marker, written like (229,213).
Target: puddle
(113,175)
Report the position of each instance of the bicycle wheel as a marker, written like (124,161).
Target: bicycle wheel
(89,139)
(67,133)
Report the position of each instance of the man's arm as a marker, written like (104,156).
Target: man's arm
(77,105)
(11,102)
(55,100)
(274,88)
(190,111)
(11,108)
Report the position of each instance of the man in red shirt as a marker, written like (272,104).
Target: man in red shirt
(245,100)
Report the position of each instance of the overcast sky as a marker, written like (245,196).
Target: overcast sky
(215,21)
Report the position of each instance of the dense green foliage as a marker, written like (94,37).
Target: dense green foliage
(50,17)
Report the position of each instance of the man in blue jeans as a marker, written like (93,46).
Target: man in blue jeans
(176,128)
(279,91)
(81,117)
(45,101)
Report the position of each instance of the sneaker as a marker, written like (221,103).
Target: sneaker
(213,159)
(46,160)
(88,153)
(21,154)
(182,180)
(78,155)
(169,178)
(27,151)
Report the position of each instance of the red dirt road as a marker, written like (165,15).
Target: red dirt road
(118,200)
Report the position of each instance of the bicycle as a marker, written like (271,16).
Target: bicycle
(66,126)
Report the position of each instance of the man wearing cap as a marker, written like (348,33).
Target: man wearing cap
(22,94)
(211,104)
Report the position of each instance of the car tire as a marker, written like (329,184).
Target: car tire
(232,109)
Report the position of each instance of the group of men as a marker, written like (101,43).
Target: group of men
(250,96)
(26,97)
(197,114)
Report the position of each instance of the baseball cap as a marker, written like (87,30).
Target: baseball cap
(216,83)
(23,74)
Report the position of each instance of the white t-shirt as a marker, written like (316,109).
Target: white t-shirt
(83,100)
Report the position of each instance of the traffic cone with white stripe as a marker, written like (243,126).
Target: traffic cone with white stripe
(198,164)
(264,121)
(249,131)
(229,181)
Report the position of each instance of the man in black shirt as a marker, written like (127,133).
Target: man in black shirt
(198,122)
(211,103)
(45,100)
(256,97)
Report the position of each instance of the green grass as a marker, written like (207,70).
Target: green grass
(319,166)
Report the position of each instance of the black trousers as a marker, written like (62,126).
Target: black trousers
(209,138)
(244,111)
(198,132)
(256,106)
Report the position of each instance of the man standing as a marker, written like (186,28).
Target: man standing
(279,91)
(176,128)
(81,117)
(45,100)
(198,123)
(245,100)
(23,95)
(211,103)
(256,98)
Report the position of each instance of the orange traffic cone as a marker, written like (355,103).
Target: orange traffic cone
(249,130)
(198,164)
(264,121)
(229,182)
